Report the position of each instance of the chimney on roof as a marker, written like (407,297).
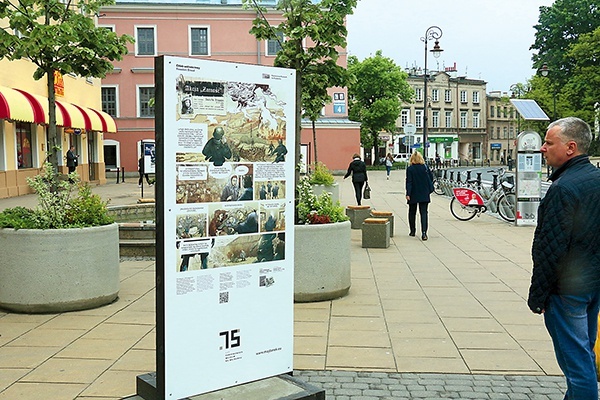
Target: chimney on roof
(452,71)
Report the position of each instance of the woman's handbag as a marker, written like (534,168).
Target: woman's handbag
(367,192)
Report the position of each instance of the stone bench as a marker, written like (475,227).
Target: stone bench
(376,233)
(357,215)
(385,214)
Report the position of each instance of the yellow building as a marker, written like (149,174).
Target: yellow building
(24,120)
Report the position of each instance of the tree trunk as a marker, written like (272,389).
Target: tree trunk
(375,160)
(298,128)
(314,129)
(53,142)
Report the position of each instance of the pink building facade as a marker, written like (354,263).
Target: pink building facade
(207,29)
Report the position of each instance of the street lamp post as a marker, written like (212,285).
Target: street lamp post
(515,89)
(545,71)
(433,32)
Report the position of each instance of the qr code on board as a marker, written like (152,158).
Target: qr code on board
(223,297)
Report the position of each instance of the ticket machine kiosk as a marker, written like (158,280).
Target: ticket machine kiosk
(528,177)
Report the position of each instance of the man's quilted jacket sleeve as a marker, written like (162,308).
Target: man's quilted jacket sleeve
(551,245)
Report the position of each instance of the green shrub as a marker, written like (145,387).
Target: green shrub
(56,208)
(321,175)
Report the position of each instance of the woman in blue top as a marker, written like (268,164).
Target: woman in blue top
(419,186)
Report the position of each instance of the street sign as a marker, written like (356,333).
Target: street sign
(410,129)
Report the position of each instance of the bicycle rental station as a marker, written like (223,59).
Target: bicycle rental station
(515,197)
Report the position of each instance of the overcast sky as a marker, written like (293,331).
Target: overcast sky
(487,39)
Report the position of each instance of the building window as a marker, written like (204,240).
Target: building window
(511,133)
(435,119)
(475,119)
(448,96)
(274,45)
(505,132)
(475,97)
(199,41)
(419,118)
(404,117)
(435,95)
(448,119)
(498,132)
(492,111)
(463,119)
(144,41)
(24,145)
(477,150)
(463,96)
(109,101)
(144,96)
(418,94)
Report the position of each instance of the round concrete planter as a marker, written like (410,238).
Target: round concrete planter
(321,261)
(334,190)
(58,270)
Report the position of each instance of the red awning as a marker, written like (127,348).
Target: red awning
(20,105)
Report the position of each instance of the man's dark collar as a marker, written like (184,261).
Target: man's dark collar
(559,171)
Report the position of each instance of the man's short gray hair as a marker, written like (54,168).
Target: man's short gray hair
(575,129)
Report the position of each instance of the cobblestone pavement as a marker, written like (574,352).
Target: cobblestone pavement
(362,385)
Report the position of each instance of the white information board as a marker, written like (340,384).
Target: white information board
(149,154)
(228,223)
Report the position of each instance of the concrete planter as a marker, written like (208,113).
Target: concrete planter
(58,270)
(321,261)
(334,190)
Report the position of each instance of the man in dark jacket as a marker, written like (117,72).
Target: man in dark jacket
(565,284)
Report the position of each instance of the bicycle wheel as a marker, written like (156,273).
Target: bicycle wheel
(437,187)
(507,206)
(460,212)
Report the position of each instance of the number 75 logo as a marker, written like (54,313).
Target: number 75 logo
(232,339)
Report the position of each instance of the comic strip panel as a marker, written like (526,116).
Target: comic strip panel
(191,223)
(233,218)
(226,251)
(243,122)
(272,216)
(206,183)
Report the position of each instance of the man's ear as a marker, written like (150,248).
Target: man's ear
(571,148)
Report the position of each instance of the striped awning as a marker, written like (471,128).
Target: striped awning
(16,106)
(20,105)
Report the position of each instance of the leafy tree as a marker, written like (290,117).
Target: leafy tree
(59,36)
(559,27)
(583,88)
(376,96)
(322,28)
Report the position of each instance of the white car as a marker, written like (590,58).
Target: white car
(402,157)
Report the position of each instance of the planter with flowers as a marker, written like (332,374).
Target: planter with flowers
(61,256)
(322,180)
(321,247)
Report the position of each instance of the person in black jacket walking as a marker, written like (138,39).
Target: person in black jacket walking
(565,282)
(419,186)
(358,169)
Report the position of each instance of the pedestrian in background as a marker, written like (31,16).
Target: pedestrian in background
(141,172)
(358,170)
(565,283)
(71,159)
(419,186)
(389,161)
